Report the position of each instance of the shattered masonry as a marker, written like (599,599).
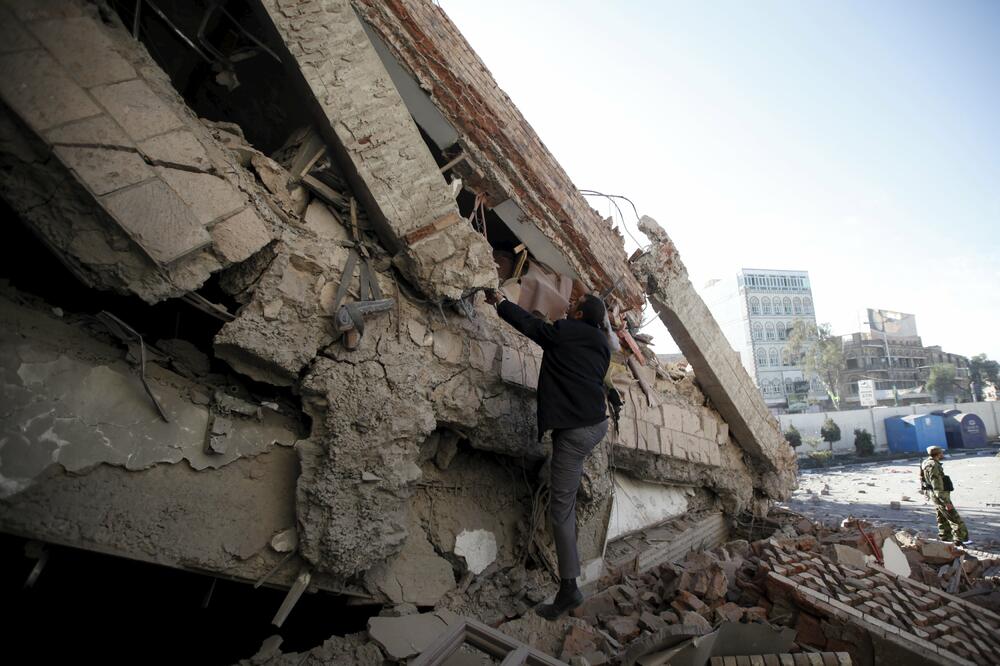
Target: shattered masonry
(407,470)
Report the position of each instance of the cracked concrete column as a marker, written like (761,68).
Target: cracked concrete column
(362,116)
(716,366)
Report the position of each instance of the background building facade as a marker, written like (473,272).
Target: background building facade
(757,311)
(892,354)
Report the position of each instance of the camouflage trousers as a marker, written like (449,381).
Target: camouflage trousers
(950,524)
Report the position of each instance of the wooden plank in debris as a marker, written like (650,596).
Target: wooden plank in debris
(434,227)
(487,639)
(311,149)
(324,191)
(294,594)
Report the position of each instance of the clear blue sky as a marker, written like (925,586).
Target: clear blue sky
(857,140)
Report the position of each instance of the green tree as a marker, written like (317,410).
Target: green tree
(942,381)
(821,355)
(830,432)
(982,371)
(863,442)
(793,437)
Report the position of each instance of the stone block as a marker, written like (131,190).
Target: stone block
(210,197)
(40,91)
(709,425)
(623,629)
(599,604)
(673,417)
(140,111)
(692,619)
(81,46)
(481,354)
(723,434)
(158,220)
(180,148)
(690,422)
(95,131)
(448,346)
(937,552)
(729,612)
(666,441)
(322,222)
(238,237)
(809,631)
(104,171)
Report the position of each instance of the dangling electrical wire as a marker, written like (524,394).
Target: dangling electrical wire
(611,198)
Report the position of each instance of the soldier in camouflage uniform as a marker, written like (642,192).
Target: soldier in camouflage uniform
(951,527)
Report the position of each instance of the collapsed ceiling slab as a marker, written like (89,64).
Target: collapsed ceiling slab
(141,184)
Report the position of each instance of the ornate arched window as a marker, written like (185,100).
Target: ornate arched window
(758,331)
(765,305)
(789,386)
(774,358)
(787,303)
(761,357)
(769,331)
(755,306)
(780,329)
(785,360)
(798,305)
(807,305)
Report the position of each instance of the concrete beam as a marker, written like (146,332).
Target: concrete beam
(717,367)
(362,116)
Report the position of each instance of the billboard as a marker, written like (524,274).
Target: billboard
(892,323)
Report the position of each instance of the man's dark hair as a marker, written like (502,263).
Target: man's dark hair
(592,309)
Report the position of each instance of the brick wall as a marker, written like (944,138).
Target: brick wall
(363,118)
(498,139)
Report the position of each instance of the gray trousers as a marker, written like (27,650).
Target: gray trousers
(569,449)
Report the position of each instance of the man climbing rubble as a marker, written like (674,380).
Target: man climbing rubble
(575,360)
(938,486)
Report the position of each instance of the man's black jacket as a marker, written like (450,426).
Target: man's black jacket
(575,360)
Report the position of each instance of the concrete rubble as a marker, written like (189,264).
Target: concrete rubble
(231,424)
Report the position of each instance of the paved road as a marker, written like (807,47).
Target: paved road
(865,491)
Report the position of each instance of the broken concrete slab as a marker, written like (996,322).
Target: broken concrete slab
(177,149)
(84,49)
(41,92)
(238,237)
(894,558)
(938,552)
(158,220)
(409,635)
(417,575)
(138,109)
(105,171)
(209,197)
(849,556)
(87,407)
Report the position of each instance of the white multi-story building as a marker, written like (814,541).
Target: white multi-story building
(757,310)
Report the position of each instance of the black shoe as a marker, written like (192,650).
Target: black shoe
(566,600)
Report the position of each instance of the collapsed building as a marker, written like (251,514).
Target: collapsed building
(242,326)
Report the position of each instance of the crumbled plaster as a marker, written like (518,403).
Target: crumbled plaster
(70,398)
